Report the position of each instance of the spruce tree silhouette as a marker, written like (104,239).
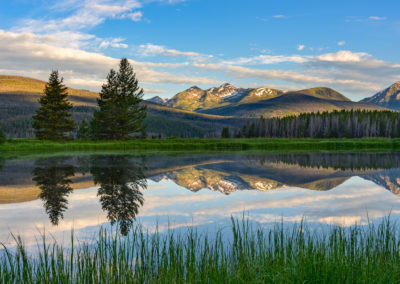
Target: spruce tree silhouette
(52,176)
(121,179)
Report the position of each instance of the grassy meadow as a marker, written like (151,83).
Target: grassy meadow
(180,144)
(245,254)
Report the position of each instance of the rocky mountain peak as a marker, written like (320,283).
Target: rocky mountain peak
(389,97)
(263,91)
(158,100)
(394,88)
(224,90)
(194,89)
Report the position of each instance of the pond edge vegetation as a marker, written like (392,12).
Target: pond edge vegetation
(246,253)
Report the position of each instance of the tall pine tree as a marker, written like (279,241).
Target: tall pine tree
(53,119)
(121,113)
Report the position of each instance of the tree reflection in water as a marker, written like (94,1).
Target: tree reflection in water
(120,178)
(52,177)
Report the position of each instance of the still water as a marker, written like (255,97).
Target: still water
(53,195)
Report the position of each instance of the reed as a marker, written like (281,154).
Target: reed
(247,254)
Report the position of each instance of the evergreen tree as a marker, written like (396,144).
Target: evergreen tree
(53,178)
(83,130)
(53,119)
(121,180)
(2,137)
(225,133)
(121,114)
(328,124)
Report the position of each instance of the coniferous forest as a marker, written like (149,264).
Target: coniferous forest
(335,124)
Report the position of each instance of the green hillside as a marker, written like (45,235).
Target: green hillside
(322,93)
(18,102)
(28,89)
(290,103)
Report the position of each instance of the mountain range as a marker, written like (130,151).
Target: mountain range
(191,113)
(227,100)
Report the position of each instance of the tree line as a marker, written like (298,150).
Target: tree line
(334,124)
(120,114)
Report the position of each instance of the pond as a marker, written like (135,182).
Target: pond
(52,195)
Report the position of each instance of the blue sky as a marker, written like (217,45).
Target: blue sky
(351,46)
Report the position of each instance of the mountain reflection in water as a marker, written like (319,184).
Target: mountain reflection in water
(121,179)
(265,172)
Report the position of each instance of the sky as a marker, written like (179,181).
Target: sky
(348,45)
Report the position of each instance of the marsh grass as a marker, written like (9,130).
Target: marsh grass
(297,254)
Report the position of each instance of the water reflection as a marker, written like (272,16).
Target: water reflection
(121,180)
(228,174)
(116,186)
(52,176)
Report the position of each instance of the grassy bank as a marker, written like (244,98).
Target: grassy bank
(295,255)
(31,145)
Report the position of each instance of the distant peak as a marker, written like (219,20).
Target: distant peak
(155,97)
(157,100)
(396,84)
(225,85)
(194,88)
(394,88)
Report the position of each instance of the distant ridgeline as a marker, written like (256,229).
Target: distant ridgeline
(222,111)
(335,124)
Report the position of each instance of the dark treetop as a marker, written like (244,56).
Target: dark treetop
(53,119)
(121,112)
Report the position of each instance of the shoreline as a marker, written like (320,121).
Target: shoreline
(18,146)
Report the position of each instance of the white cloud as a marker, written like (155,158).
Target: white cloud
(83,15)
(343,56)
(116,43)
(34,55)
(354,72)
(135,16)
(376,18)
(149,49)
(300,47)
(112,10)
(154,91)
(279,16)
(265,59)
(341,43)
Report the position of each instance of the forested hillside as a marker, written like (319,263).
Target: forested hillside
(336,124)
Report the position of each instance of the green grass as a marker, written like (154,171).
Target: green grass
(177,144)
(247,255)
